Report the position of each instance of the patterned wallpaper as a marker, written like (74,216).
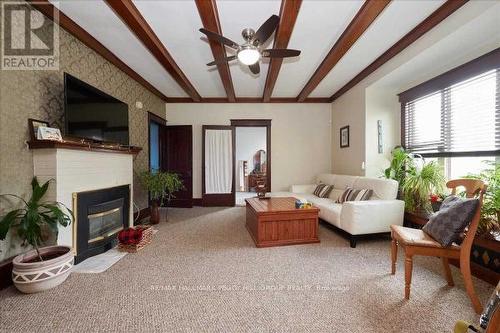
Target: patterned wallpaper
(39,95)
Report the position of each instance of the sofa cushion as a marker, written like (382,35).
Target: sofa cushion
(343,181)
(351,194)
(446,225)
(335,194)
(329,211)
(322,190)
(326,178)
(383,189)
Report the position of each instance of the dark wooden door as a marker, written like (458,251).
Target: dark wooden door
(178,158)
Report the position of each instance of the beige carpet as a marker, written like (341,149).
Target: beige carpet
(203,274)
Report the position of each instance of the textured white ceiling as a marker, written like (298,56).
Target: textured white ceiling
(397,19)
(319,24)
(235,16)
(102,23)
(176,24)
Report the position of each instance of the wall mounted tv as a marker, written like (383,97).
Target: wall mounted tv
(93,114)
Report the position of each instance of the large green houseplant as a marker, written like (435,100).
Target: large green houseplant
(490,212)
(419,184)
(161,186)
(28,221)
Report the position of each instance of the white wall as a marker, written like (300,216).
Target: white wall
(381,104)
(300,136)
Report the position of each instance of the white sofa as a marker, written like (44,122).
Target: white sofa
(355,217)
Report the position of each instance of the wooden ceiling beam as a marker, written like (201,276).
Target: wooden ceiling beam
(363,19)
(210,19)
(47,9)
(248,100)
(131,16)
(288,15)
(430,22)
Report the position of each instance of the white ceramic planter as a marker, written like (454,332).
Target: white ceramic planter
(33,277)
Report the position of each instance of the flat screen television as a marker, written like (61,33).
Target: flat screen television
(93,114)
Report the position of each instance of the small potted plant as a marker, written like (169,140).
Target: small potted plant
(43,267)
(161,186)
(436,201)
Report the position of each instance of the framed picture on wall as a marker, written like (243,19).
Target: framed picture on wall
(344,137)
(33,125)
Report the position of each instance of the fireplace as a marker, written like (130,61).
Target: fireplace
(99,216)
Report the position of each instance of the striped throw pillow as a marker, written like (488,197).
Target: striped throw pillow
(351,194)
(323,190)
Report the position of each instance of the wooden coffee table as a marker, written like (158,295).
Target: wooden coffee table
(276,221)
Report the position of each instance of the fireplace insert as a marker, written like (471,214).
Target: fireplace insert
(99,216)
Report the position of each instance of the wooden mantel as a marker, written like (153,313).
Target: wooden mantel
(82,145)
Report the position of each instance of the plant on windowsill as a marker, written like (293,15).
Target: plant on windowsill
(43,267)
(161,186)
(489,224)
(402,163)
(418,184)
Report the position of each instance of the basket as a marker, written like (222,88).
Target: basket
(147,237)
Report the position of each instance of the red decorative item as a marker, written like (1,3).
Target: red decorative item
(130,236)
(434,198)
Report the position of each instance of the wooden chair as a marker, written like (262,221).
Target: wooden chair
(417,242)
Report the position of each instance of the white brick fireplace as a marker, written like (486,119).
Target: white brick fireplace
(78,171)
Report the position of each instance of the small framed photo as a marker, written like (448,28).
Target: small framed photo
(344,137)
(33,125)
(49,133)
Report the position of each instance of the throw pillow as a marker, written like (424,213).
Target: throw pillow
(351,194)
(446,225)
(322,190)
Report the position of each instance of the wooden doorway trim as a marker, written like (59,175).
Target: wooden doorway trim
(153,118)
(223,199)
(259,123)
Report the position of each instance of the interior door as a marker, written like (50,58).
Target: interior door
(178,157)
(218,165)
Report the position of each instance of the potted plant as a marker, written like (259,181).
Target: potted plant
(43,267)
(419,183)
(490,212)
(402,163)
(161,186)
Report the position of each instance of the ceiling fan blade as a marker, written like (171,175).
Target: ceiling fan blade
(221,61)
(280,53)
(266,30)
(214,36)
(255,68)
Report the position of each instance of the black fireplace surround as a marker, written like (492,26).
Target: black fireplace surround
(100,215)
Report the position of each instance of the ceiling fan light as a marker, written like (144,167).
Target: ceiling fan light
(249,56)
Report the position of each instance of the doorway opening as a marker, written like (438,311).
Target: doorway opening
(252,158)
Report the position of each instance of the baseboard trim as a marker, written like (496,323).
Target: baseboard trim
(197,202)
(6,273)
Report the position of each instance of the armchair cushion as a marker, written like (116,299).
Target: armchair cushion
(446,225)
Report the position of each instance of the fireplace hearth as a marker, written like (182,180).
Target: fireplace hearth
(99,216)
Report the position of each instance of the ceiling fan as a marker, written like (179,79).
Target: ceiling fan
(251,51)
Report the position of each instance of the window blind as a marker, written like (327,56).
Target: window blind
(459,119)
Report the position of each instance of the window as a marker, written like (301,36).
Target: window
(462,119)
(455,117)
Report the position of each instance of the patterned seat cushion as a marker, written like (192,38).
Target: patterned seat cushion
(446,225)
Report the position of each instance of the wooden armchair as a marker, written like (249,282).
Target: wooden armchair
(417,242)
